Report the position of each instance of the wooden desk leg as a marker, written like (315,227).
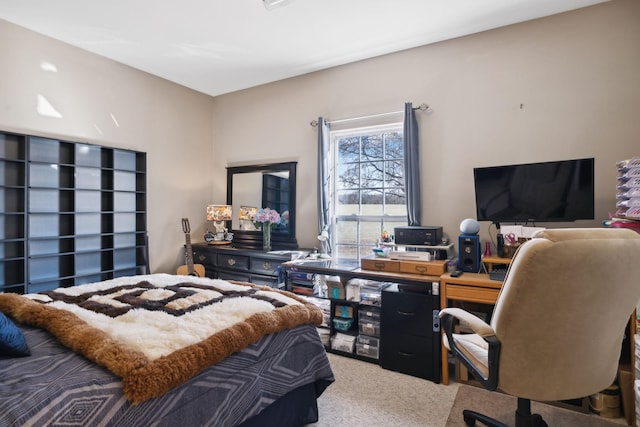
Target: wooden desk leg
(445,365)
(444,359)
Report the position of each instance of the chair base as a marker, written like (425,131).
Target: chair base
(524,417)
(470,418)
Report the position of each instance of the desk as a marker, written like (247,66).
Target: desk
(472,287)
(488,261)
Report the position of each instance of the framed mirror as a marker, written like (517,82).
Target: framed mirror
(253,187)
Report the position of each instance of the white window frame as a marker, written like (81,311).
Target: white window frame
(362,245)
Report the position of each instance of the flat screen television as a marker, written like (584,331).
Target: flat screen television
(555,191)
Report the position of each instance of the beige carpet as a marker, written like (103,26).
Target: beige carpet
(502,407)
(364,394)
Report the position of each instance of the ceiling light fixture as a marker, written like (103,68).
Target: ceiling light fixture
(274,4)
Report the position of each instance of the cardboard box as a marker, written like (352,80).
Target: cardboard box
(335,288)
(427,268)
(380,264)
(345,311)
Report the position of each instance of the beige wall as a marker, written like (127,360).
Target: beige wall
(172,124)
(576,75)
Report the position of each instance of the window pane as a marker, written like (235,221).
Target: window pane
(372,147)
(348,203)
(348,149)
(347,252)
(395,203)
(370,233)
(394,174)
(348,176)
(372,202)
(366,250)
(372,175)
(347,231)
(394,146)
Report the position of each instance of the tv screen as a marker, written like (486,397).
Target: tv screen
(535,192)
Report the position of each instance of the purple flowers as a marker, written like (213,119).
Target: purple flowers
(266,217)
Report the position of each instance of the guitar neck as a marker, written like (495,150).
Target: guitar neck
(189,254)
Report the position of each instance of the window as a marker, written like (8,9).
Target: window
(369,187)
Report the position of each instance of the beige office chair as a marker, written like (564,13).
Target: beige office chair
(559,321)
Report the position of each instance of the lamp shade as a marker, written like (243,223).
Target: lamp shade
(219,212)
(247,213)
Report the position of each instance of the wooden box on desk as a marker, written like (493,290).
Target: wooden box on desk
(380,264)
(426,268)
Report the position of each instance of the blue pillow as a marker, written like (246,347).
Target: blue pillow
(12,342)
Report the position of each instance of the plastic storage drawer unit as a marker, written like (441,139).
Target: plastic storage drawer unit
(343,342)
(368,313)
(368,346)
(370,328)
(367,351)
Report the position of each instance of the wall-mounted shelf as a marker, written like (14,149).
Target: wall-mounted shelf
(71,213)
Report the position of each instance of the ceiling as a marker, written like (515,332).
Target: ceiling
(221,46)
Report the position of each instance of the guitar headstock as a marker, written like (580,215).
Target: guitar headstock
(185,226)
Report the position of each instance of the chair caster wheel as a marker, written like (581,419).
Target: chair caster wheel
(470,421)
(538,421)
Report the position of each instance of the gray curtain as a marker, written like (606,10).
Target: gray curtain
(412,165)
(324,182)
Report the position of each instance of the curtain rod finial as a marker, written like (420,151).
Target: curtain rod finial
(425,108)
(314,123)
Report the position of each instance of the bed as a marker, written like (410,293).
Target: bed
(258,366)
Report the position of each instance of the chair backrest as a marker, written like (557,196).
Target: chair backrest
(563,309)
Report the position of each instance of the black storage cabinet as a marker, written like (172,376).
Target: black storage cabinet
(409,334)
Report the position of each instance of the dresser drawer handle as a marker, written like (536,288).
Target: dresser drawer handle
(404,313)
(266,265)
(202,257)
(231,261)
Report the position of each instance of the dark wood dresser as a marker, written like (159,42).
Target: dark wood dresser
(248,265)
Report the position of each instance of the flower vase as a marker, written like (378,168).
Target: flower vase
(266,237)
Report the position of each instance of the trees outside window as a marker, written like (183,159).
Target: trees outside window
(369,187)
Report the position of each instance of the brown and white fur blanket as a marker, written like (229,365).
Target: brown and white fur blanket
(157,331)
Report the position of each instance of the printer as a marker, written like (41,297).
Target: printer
(418,235)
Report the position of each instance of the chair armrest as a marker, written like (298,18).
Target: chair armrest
(476,324)
(482,329)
